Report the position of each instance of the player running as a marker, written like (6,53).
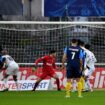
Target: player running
(90,66)
(73,55)
(48,68)
(12,68)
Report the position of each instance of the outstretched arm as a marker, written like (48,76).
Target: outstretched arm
(64,58)
(36,63)
(39,60)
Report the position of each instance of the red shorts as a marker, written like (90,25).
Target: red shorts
(46,73)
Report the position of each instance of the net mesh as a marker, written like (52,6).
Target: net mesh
(27,42)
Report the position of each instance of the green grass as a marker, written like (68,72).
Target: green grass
(51,98)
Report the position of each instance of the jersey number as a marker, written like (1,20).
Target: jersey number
(10,58)
(73,55)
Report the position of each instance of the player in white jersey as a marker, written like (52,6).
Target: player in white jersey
(90,66)
(11,66)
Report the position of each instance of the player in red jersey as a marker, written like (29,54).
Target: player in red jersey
(48,68)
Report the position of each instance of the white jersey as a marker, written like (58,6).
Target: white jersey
(12,66)
(9,60)
(90,58)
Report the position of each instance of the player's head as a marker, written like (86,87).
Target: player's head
(74,42)
(4,52)
(81,43)
(52,53)
(87,46)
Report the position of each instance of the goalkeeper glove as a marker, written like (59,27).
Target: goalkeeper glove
(34,69)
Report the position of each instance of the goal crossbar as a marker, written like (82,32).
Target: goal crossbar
(47,22)
(59,64)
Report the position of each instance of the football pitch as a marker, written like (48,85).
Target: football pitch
(51,98)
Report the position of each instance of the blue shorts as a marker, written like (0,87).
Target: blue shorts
(73,72)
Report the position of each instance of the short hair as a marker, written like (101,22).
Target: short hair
(4,51)
(74,41)
(80,42)
(87,46)
(52,51)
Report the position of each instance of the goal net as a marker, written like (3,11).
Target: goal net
(26,41)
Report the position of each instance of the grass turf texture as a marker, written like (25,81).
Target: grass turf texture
(51,98)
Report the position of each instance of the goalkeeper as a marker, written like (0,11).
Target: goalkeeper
(48,68)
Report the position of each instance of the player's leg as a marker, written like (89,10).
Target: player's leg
(74,85)
(88,85)
(44,75)
(55,76)
(15,79)
(86,72)
(78,75)
(89,73)
(5,79)
(15,74)
(82,82)
(68,83)
(37,83)
(79,87)
(68,87)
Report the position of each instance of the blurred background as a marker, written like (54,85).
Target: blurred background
(32,10)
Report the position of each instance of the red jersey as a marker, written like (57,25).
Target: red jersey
(48,62)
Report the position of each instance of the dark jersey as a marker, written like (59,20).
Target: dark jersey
(74,54)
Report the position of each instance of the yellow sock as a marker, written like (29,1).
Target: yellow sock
(67,88)
(83,83)
(79,88)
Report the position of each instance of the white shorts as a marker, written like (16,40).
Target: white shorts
(13,69)
(88,72)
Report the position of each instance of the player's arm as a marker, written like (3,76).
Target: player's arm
(81,59)
(64,58)
(85,60)
(39,60)
(81,63)
(94,58)
(36,63)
